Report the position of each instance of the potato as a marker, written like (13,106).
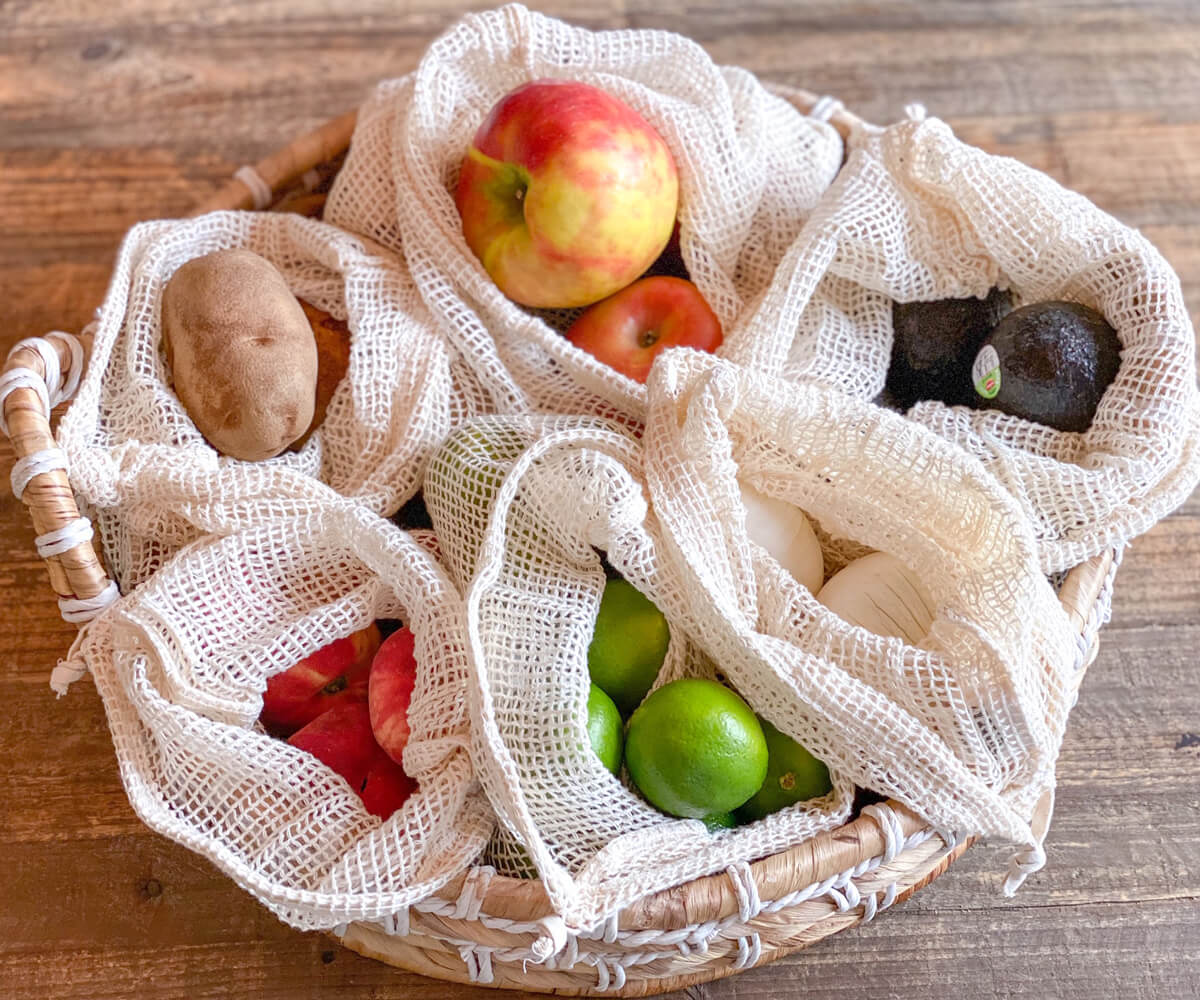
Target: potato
(333,360)
(242,353)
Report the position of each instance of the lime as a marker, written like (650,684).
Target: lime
(793,775)
(719,821)
(605,729)
(695,748)
(628,645)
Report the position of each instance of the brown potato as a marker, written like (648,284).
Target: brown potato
(242,353)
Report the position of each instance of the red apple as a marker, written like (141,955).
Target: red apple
(333,675)
(341,739)
(628,330)
(566,195)
(390,689)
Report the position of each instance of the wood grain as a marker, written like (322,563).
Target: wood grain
(113,113)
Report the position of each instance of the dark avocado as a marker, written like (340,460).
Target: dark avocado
(1049,362)
(934,345)
(413,515)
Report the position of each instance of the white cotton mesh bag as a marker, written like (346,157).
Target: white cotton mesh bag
(523,532)
(963,728)
(751,167)
(133,448)
(917,215)
(181,664)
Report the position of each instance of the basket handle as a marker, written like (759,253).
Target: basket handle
(40,373)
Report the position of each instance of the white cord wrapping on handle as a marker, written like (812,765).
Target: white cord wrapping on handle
(260,190)
(25,469)
(78,610)
(74,374)
(825,108)
(22,378)
(50,363)
(51,387)
(60,540)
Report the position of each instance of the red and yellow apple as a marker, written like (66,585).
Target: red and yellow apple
(341,739)
(390,689)
(627,331)
(566,194)
(335,674)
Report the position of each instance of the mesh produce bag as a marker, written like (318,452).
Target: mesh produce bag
(528,548)
(751,166)
(136,457)
(182,662)
(965,729)
(917,215)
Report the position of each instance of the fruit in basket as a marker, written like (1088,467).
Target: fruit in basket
(389,691)
(695,748)
(341,739)
(720,821)
(1048,362)
(332,337)
(784,531)
(793,775)
(461,483)
(241,352)
(628,330)
(879,593)
(934,343)
(566,194)
(629,644)
(386,787)
(606,731)
(333,675)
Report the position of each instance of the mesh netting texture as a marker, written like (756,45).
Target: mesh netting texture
(964,729)
(140,466)
(918,215)
(233,571)
(751,167)
(182,664)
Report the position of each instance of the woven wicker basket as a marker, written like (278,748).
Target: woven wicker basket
(483,927)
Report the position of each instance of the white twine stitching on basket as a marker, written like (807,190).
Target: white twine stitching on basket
(83,609)
(746,890)
(478,960)
(22,378)
(50,388)
(60,540)
(825,108)
(474,888)
(259,189)
(26,469)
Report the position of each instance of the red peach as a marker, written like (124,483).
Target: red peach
(390,689)
(335,674)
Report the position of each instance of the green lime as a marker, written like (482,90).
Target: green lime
(628,645)
(793,775)
(695,748)
(720,821)
(605,729)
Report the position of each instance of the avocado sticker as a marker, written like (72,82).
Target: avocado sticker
(985,372)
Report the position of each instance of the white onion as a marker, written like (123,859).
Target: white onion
(882,595)
(783,530)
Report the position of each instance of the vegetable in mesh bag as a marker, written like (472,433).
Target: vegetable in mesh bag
(182,662)
(523,507)
(751,166)
(132,446)
(916,215)
(963,727)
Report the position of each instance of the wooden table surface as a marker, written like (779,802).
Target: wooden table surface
(115,112)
